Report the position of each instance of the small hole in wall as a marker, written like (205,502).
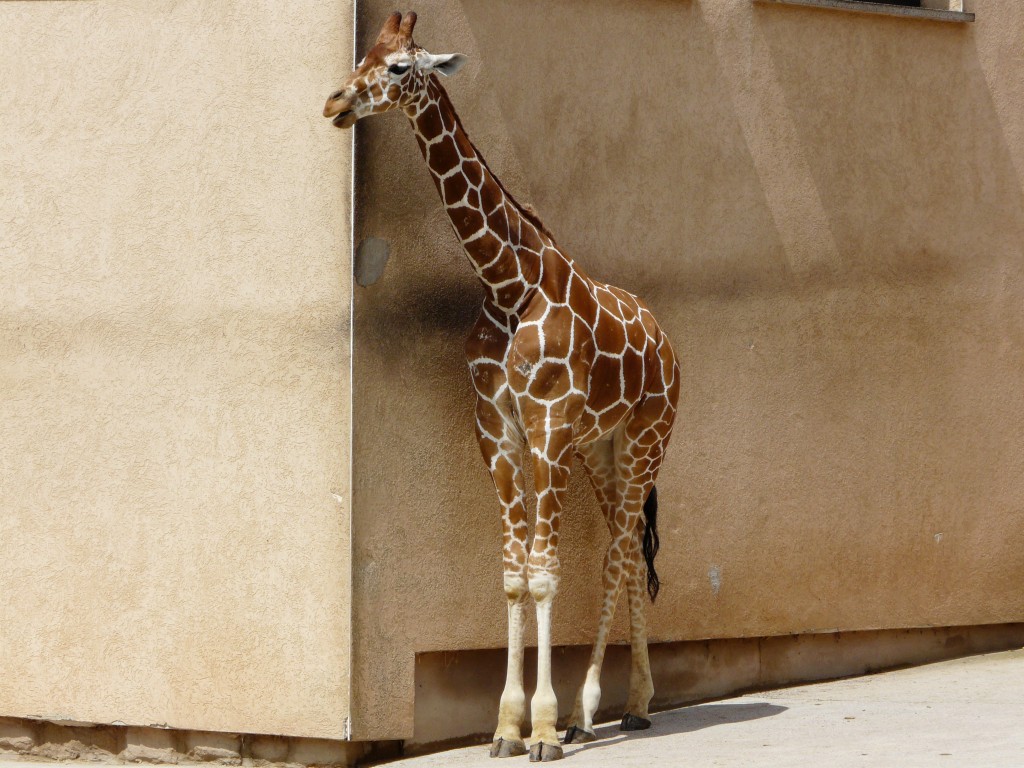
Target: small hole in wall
(715,578)
(371,257)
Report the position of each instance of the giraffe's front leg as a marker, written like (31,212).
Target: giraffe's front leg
(508,741)
(502,450)
(551,451)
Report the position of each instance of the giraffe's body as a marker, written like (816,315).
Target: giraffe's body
(563,366)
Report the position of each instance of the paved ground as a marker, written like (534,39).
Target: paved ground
(965,713)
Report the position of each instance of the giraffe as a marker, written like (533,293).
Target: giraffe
(563,366)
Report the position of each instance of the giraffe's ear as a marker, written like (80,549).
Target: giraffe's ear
(446,64)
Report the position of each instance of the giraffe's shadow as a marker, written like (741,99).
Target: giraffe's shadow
(682,720)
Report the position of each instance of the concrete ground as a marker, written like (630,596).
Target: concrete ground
(968,712)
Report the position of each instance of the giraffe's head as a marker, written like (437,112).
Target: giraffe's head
(394,73)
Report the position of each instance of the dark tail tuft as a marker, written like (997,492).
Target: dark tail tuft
(651,542)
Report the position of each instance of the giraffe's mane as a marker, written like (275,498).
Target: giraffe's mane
(527,211)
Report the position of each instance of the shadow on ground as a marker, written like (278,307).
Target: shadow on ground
(684,720)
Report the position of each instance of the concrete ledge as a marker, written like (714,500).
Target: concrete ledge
(457,692)
(457,696)
(934,14)
(957,713)
(34,740)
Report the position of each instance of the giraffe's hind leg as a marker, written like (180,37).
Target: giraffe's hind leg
(639,455)
(641,685)
(589,696)
(599,462)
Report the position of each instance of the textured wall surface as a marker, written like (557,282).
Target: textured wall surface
(174,336)
(825,211)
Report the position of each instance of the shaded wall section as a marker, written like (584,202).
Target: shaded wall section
(174,356)
(825,212)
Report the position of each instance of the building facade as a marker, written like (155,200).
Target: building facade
(242,494)
(175,366)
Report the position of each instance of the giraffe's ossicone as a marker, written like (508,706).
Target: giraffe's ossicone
(563,366)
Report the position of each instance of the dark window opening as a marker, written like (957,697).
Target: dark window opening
(908,3)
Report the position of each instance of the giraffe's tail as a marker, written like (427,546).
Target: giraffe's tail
(651,542)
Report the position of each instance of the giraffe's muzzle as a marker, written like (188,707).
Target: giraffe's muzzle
(337,108)
(344,119)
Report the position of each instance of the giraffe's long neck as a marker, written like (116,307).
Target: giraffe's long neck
(502,242)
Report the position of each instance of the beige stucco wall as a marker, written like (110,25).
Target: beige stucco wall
(174,336)
(825,211)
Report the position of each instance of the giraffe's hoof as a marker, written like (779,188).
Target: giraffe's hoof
(576,735)
(634,723)
(545,753)
(508,747)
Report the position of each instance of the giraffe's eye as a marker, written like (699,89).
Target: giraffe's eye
(398,69)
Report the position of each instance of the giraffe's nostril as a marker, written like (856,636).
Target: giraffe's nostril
(337,95)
